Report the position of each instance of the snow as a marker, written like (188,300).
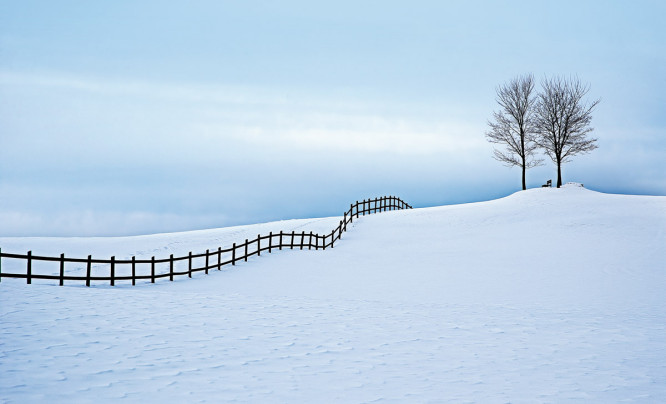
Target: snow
(547,295)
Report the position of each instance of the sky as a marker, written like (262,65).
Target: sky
(137,117)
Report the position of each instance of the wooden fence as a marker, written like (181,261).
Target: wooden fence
(214,259)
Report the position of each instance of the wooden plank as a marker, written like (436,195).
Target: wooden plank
(133,270)
(29,270)
(62,269)
(88,270)
(171,267)
(113,270)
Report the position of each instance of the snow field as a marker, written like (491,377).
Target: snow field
(548,295)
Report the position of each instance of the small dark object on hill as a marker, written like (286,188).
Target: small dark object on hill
(548,184)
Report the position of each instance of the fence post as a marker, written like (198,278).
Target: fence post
(29,271)
(189,264)
(233,255)
(302,239)
(206,270)
(258,244)
(270,242)
(280,240)
(323,242)
(310,242)
(113,270)
(171,268)
(88,270)
(357,210)
(152,270)
(219,258)
(62,269)
(246,242)
(293,234)
(332,238)
(133,270)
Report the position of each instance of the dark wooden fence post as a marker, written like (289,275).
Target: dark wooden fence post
(171,267)
(293,234)
(270,242)
(189,265)
(357,210)
(88,270)
(233,255)
(62,269)
(302,239)
(246,242)
(219,258)
(113,270)
(133,270)
(310,242)
(152,270)
(258,244)
(206,270)
(280,240)
(29,270)
(332,238)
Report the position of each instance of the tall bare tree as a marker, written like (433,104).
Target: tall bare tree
(563,120)
(513,125)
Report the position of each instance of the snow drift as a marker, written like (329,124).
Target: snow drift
(545,295)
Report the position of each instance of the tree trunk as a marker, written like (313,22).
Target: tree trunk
(559,173)
(524,186)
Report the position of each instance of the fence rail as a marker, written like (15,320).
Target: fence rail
(213,259)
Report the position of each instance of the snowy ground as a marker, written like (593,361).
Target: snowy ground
(548,295)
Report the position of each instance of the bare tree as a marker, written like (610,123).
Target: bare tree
(563,120)
(513,125)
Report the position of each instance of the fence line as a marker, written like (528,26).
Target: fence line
(284,240)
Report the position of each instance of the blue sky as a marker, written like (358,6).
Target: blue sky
(132,117)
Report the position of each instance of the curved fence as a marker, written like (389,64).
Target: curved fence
(151,269)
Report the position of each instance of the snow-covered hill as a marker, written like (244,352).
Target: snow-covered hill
(547,295)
